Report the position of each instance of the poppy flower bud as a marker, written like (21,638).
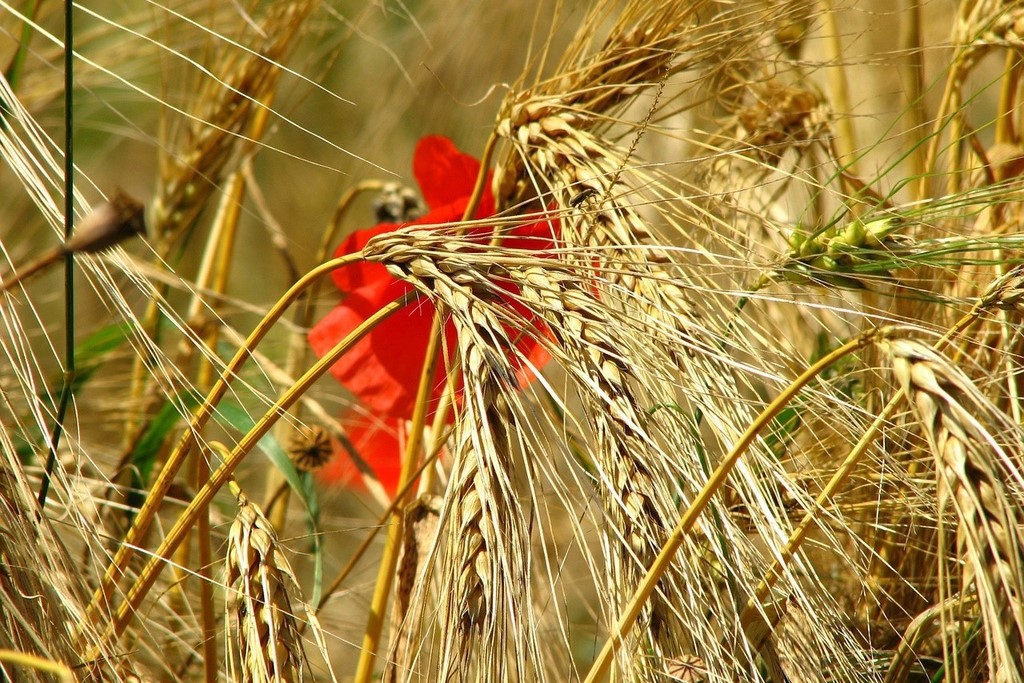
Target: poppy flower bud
(396,204)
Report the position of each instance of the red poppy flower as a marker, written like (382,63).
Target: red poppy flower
(383,369)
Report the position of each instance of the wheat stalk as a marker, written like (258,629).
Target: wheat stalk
(636,499)
(625,338)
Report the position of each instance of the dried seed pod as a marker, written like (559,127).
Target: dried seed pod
(108,224)
(310,447)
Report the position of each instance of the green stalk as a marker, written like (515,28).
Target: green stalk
(69,255)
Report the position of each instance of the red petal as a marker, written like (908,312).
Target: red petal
(377,444)
(383,369)
(446,175)
(443,172)
(361,273)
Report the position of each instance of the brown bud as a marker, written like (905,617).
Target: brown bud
(108,224)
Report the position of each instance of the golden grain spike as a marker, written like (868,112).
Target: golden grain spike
(484,575)
(262,630)
(975,478)
(224,111)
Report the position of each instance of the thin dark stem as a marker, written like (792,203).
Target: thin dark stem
(69,255)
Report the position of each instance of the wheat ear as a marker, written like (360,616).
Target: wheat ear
(637,503)
(981,479)
(263,634)
(219,129)
(484,571)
